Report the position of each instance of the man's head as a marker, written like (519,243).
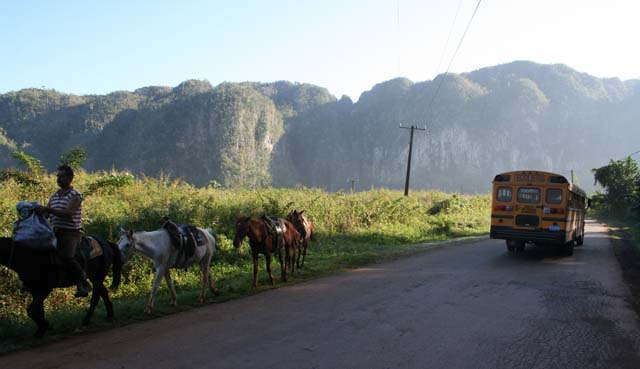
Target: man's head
(64,176)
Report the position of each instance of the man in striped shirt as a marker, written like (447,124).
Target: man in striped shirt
(65,213)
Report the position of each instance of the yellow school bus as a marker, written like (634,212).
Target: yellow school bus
(538,207)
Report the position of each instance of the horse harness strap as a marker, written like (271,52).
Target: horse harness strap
(185,238)
(275,229)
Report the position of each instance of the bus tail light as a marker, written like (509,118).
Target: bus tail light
(503,208)
(553,211)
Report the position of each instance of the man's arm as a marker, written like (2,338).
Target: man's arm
(74,203)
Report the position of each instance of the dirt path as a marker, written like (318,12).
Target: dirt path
(465,306)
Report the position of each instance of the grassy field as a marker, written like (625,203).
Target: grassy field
(353,229)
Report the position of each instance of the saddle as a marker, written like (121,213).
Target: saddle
(184,237)
(88,249)
(275,228)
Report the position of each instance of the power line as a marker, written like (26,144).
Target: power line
(429,109)
(446,44)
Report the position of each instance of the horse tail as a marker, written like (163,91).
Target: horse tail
(117,266)
(212,233)
(312,236)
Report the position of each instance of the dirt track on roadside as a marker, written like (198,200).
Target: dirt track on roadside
(471,305)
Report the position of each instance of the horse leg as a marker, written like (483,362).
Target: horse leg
(95,297)
(283,266)
(298,257)
(287,260)
(35,311)
(154,288)
(107,301)
(209,279)
(172,290)
(304,252)
(268,262)
(255,255)
(206,279)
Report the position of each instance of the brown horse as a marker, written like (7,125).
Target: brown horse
(263,241)
(305,228)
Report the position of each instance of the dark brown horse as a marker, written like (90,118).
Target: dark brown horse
(305,228)
(40,275)
(263,241)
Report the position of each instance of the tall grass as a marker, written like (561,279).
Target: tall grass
(352,229)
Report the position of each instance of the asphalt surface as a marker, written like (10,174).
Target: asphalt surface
(471,305)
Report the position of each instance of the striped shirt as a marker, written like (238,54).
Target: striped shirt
(60,200)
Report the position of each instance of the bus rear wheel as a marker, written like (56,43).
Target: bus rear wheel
(580,241)
(513,245)
(567,248)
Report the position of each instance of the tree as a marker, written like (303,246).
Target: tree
(620,180)
(74,158)
(33,165)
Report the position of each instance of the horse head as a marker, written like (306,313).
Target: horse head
(126,245)
(241,230)
(298,221)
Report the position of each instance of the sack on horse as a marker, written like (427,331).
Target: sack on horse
(32,229)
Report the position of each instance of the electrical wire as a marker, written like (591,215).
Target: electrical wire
(429,108)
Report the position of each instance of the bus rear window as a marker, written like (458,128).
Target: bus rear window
(554,196)
(504,194)
(529,195)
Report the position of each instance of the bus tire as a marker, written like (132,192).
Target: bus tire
(568,248)
(510,246)
(580,241)
(520,246)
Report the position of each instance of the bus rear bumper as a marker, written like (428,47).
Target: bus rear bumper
(538,235)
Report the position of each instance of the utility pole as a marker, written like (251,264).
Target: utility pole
(353,184)
(406,183)
(572,180)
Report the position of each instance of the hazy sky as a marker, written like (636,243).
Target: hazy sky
(95,47)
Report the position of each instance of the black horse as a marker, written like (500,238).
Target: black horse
(40,274)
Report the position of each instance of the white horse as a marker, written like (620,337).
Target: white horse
(157,246)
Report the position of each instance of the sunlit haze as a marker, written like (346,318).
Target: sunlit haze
(85,47)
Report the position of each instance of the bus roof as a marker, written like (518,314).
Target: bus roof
(536,176)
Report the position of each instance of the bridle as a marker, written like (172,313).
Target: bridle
(132,245)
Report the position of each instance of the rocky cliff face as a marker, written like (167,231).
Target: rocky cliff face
(519,115)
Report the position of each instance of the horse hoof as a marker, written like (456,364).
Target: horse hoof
(42,329)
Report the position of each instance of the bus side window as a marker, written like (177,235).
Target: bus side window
(504,194)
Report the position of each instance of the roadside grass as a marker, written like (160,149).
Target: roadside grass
(353,229)
(627,228)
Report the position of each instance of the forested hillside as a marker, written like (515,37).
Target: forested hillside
(514,116)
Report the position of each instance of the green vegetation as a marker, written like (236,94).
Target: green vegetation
(621,182)
(619,203)
(352,229)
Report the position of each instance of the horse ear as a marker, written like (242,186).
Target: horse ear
(301,211)
(130,233)
(122,231)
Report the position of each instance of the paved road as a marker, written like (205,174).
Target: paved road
(466,306)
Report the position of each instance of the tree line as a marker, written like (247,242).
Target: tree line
(620,180)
